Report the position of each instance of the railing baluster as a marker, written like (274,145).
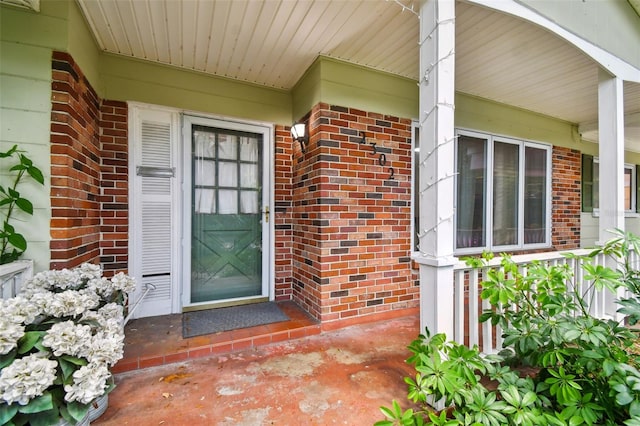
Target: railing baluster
(458,292)
(474,305)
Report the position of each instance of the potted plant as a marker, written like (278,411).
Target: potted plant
(58,339)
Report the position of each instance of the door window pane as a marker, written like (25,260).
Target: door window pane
(249,202)
(204,144)
(248,149)
(535,195)
(228,201)
(505,193)
(204,200)
(471,192)
(228,173)
(227,146)
(204,173)
(249,175)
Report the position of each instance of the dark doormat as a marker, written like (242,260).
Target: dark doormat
(211,321)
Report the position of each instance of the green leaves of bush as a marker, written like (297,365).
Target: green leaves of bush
(584,372)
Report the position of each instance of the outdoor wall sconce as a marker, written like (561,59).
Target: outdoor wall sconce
(298,133)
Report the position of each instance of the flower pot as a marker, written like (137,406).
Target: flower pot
(98,406)
(84,422)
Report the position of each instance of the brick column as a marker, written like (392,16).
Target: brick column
(89,165)
(352,215)
(565,193)
(75,166)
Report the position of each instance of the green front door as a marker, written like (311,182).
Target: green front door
(226,214)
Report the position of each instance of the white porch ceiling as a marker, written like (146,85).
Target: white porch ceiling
(273,42)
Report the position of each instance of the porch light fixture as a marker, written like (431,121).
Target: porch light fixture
(298,133)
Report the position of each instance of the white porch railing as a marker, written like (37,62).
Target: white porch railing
(468,305)
(12,275)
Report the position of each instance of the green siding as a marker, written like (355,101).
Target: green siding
(480,114)
(27,39)
(134,80)
(48,28)
(340,83)
(83,48)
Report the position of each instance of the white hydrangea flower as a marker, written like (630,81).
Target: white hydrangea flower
(67,338)
(101,286)
(40,299)
(105,348)
(70,303)
(123,282)
(10,333)
(26,378)
(90,271)
(55,280)
(20,309)
(110,318)
(112,311)
(89,382)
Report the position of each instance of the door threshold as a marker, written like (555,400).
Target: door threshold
(224,304)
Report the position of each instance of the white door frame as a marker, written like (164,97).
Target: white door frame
(268,252)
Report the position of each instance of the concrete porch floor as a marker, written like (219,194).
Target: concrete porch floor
(337,377)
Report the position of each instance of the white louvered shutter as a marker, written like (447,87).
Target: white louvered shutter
(154,223)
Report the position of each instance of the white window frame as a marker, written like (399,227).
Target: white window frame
(489,246)
(627,212)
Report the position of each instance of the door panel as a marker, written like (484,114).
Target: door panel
(226,253)
(226,215)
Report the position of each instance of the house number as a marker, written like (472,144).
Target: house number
(382,159)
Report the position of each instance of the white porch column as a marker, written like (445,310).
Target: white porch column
(611,175)
(436,187)
(611,152)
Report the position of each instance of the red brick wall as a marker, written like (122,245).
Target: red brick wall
(282,213)
(89,206)
(114,201)
(75,166)
(351,223)
(565,182)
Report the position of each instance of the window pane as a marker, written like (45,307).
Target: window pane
(627,189)
(471,192)
(535,195)
(596,185)
(505,193)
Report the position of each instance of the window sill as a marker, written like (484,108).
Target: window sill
(496,250)
(627,215)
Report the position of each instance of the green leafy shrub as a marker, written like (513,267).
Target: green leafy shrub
(12,243)
(560,365)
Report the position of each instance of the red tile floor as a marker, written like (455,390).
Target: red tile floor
(158,340)
(283,374)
